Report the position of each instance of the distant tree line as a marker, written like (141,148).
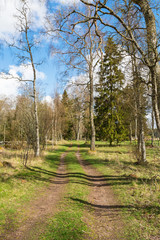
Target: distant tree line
(93,38)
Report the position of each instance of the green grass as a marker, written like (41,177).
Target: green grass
(20,185)
(137,187)
(67,224)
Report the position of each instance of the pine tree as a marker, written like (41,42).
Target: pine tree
(67,105)
(109,114)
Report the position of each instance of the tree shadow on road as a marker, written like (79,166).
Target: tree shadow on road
(117,207)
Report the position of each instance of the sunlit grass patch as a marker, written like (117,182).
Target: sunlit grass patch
(19,185)
(137,187)
(66,225)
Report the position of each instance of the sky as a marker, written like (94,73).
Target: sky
(48,72)
(49,76)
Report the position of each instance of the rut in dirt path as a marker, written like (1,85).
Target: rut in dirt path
(42,208)
(102,209)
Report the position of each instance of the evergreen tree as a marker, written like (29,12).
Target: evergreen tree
(67,123)
(109,114)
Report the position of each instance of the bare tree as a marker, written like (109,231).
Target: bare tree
(57,119)
(24,47)
(45,121)
(82,52)
(78,95)
(104,9)
(5,108)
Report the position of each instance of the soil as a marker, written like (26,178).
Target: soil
(41,208)
(102,213)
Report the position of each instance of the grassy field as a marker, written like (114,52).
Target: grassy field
(19,185)
(136,187)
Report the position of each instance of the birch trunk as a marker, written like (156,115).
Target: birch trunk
(55,130)
(130,132)
(135,122)
(37,148)
(92,147)
(141,140)
(79,126)
(4,134)
(152,140)
(52,133)
(141,154)
(152,53)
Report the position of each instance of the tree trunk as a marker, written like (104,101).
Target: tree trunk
(135,122)
(110,142)
(141,139)
(141,149)
(52,133)
(79,125)
(152,139)
(4,134)
(152,53)
(46,142)
(155,96)
(130,132)
(92,147)
(55,130)
(37,149)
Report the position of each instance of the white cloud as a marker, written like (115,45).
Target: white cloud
(8,83)
(8,87)
(48,99)
(68,2)
(77,85)
(8,10)
(39,11)
(25,70)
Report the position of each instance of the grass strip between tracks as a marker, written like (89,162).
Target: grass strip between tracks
(68,223)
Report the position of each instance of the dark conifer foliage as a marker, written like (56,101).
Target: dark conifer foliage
(108,107)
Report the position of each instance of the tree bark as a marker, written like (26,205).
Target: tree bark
(141,140)
(37,148)
(52,133)
(4,133)
(152,139)
(135,121)
(92,147)
(79,126)
(152,53)
(141,149)
(130,132)
(46,142)
(55,129)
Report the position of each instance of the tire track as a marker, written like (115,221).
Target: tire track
(42,208)
(102,210)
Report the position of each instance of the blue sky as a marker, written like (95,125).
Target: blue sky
(49,71)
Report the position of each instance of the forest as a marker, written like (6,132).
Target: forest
(83,161)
